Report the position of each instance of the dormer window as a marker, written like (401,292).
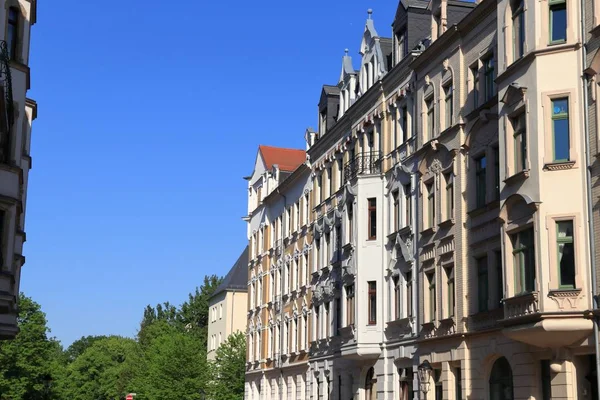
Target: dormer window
(401,46)
(12,33)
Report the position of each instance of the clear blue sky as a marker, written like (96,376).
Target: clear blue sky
(149,116)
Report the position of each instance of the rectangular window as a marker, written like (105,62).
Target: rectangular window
(449,109)
(524,261)
(497,173)
(480,180)
(432,297)
(430,187)
(297,215)
(12,32)
(350,222)
(396,214)
(518,19)
(499,279)
(560,129)
(395,129)
(429,104)
(449,195)
(457,384)
(338,316)
(546,379)
(372,302)
(451,292)
(320,183)
(488,71)
(475,89)
(404,121)
(482,284)
(439,389)
(558,21)
(349,305)
(372,234)
(407,205)
(340,167)
(330,177)
(395,281)
(566,254)
(409,294)
(520,142)
(306,209)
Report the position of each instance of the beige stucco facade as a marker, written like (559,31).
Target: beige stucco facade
(227,315)
(449,217)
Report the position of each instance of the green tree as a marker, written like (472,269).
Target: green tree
(103,371)
(79,346)
(174,368)
(228,369)
(194,312)
(26,362)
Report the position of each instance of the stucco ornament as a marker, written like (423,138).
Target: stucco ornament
(435,167)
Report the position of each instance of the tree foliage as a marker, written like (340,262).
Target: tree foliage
(228,369)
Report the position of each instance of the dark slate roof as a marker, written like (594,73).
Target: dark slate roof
(237,277)
(387,48)
(330,89)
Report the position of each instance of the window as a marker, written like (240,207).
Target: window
(501,381)
(488,72)
(430,117)
(430,204)
(350,222)
(475,89)
(546,379)
(451,292)
(396,214)
(482,284)
(288,221)
(566,253)
(560,129)
(404,122)
(409,294)
(272,286)
(520,142)
(407,205)
(395,281)
(297,215)
(220,311)
(480,181)
(457,384)
(439,389)
(340,167)
(372,219)
(518,29)
(305,327)
(320,184)
(330,177)
(497,172)
(432,299)
(306,209)
(395,129)
(499,279)
(558,21)
(338,242)
(12,33)
(349,305)
(524,261)
(372,302)
(296,277)
(338,315)
(306,268)
(449,195)
(449,109)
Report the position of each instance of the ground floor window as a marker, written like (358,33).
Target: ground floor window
(501,382)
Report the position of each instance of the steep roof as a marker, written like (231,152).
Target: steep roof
(287,159)
(237,277)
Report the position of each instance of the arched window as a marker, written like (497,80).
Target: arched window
(370,389)
(501,382)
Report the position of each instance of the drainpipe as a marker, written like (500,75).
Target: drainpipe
(590,207)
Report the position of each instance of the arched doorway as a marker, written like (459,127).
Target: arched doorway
(370,385)
(501,382)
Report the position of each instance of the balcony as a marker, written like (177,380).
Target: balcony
(367,163)
(525,322)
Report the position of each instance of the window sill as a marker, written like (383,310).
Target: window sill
(483,209)
(447,223)
(564,292)
(519,176)
(428,231)
(559,166)
(487,105)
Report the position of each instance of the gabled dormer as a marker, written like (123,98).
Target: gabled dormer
(328,107)
(445,13)
(376,55)
(347,84)
(411,16)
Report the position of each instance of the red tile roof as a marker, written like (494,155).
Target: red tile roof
(287,159)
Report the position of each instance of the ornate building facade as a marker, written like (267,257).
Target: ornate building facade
(17,113)
(438,233)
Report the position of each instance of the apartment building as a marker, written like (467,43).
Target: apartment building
(228,305)
(17,113)
(446,262)
(278,325)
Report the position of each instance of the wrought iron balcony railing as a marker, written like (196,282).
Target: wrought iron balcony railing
(366,163)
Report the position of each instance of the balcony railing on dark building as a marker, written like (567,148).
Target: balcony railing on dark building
(7,114)
(367,163)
